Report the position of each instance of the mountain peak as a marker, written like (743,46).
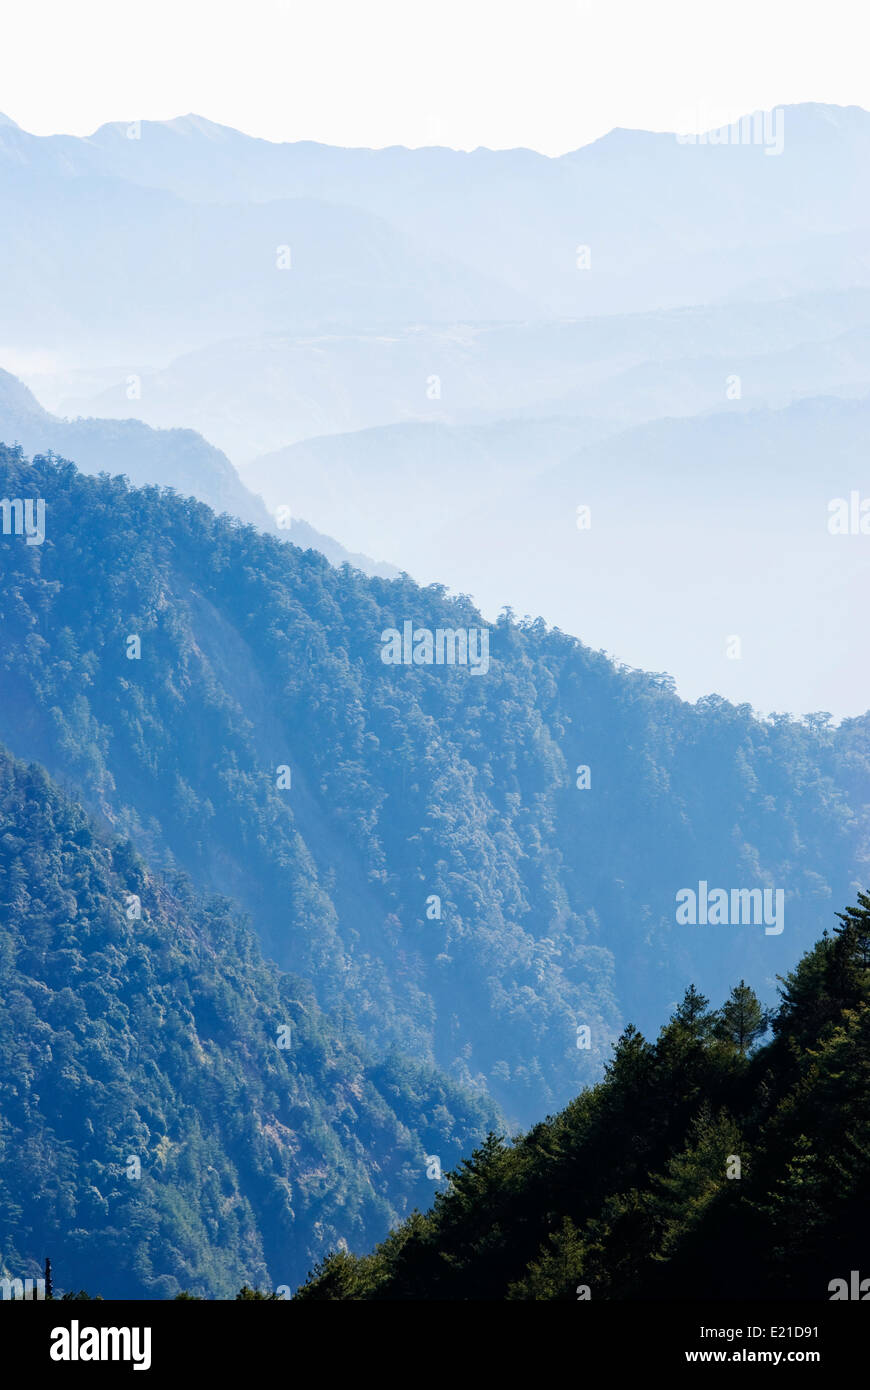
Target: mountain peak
(190,125)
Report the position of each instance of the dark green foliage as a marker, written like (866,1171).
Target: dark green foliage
(741,1018)
(697,1169)
(156,1039)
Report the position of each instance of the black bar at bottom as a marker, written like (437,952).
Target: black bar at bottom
(64,1339)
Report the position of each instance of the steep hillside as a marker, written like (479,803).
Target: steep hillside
(418,841)
(701,1167)
(174,1113)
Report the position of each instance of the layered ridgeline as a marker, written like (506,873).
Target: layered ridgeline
(179,459)
(703,1166)
(174,1113)
(481,867)
(192,216)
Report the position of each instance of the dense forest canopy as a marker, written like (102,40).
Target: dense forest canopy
(174,1112)
(429,858)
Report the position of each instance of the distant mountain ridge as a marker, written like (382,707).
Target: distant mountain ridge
(737,497)
(673,206)
(257,395)
(176,458)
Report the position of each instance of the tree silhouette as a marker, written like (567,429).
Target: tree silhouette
(741,1019)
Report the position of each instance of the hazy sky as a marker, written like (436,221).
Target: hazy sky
(550,74)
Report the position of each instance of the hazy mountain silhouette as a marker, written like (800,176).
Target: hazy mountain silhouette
(176,458)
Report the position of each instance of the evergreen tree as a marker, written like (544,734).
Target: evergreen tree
(693,1011)
(855,928)
(741,1020)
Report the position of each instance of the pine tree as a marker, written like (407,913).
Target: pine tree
(855,928)
(692,1012)
(632,1060)
(741,1019)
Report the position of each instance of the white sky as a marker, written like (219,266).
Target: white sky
(549,74)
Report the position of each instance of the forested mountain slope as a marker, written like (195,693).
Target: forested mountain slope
(701,1167)
(405,785)
(174,1113)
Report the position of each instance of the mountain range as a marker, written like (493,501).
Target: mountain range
(681,218)
(324,875)
(436,358)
